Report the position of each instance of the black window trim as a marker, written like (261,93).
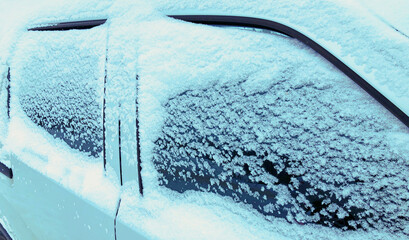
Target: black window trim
(4,233)
(64,26)
(8,172)
(8,92)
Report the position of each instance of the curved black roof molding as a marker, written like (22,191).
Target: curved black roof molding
(281,28)
(64,26)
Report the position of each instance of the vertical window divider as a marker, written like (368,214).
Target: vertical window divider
(120,147)
(8,93)
(138,140)
(104,105)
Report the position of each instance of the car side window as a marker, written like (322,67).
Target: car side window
(61,86)
(295,139)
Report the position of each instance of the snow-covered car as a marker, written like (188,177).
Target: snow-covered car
(156,123)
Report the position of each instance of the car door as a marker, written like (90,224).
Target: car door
(55,143)
(6,173)
(249,134)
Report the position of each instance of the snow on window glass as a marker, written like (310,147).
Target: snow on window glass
(61,84)
(295,139)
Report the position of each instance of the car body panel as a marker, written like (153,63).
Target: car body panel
(20,229)
(53,212)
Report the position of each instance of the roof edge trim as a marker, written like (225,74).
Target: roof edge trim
(64,26)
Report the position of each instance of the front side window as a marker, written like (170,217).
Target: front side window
(61,85)
(294,139)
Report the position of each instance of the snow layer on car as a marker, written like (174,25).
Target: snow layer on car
(395,13)
(155,92)
(190,98)
(309,148)
(56,110)
(60,79)
(3,109)
(346,28)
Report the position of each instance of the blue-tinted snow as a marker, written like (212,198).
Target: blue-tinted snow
(307,147)
(250,92)
(60,85)
(56,110)
(346,28)
(157,49)
(395,13)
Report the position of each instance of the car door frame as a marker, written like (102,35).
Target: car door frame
(24,179)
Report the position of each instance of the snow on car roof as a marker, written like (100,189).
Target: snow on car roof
(356,32)
(347,29)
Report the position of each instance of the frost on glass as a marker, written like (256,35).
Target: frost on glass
(309,146)
(61,85)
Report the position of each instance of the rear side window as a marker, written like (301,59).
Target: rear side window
(295,139)
(61,85)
